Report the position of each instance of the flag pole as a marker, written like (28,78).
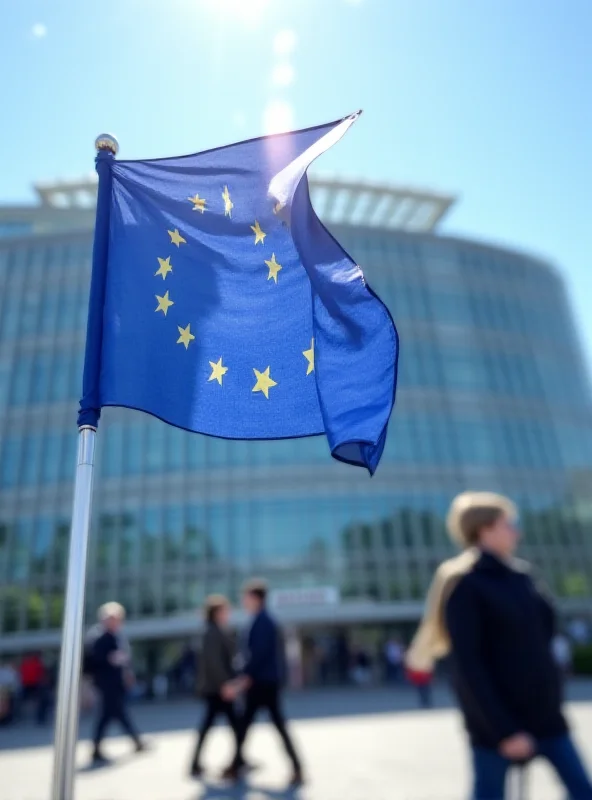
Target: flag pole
(68,701)
(67,709)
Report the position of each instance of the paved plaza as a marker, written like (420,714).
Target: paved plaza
(357,745)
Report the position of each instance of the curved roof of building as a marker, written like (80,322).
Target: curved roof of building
(336,201)
(377,205)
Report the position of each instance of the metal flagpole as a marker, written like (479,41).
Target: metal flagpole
(67,708)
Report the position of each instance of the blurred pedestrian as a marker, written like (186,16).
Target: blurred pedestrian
(422,680)
(295,677)
(362,667)
(321,656)
(111,669)
(182,674)
(562,653)
(579,630)
(262,678)
(187,669)
(35,685)
(486,609)
(394,654)
(9,690)
(215,671)
(343,659)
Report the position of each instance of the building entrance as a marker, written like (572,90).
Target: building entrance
(337,655)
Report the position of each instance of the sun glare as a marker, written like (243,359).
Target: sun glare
(278,117)
(246,10)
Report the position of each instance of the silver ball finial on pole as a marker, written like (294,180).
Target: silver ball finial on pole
(108,142)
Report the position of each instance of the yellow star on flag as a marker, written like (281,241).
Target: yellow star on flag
(228,204)
(164,268)
(164,303)
(176,237)
(259,235)
(186,336)
(264,382)
(274,268)
(218,371)
(199,203)
(309,356)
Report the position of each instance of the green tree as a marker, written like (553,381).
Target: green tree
(35,610)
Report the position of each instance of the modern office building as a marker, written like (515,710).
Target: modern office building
(492,394)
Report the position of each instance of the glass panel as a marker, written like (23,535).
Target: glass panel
(11,457)
(150,535)
(31,458)
(132,451)
(176,439)
(52,456)
(18,555)
(195,534)
(59,389)
(129,532)
(41,548)
(173,534)
(21,378)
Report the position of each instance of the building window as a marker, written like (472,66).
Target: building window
(11,459)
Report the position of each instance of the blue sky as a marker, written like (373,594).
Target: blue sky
(490,99)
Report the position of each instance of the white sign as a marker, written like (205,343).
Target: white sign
(311,596)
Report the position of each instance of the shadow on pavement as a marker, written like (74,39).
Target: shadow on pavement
(243,791)
(180,715)
(99,766)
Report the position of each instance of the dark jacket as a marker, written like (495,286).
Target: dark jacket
(215,663)
(501,625)
(108,677)
(264,662)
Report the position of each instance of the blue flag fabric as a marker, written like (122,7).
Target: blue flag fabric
(221,304)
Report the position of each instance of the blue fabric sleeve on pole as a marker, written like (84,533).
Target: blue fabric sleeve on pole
(90,404)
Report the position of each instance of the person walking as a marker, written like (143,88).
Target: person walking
(215,671)
(562,653)
(9,691)
(394,655)
(422,682)
(490,614)
(262,678)
(111,672)
(362,667)
(34,685)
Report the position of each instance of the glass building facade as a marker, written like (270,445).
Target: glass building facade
(492,394)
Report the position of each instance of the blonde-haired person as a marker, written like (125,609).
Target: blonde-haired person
(110,657)
(488,613)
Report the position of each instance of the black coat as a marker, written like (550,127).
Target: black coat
(265,661)
(215,667)
(109,678)
(501,626)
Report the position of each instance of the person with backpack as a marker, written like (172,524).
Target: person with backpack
(487,611)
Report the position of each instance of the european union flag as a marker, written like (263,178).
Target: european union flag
(221,304)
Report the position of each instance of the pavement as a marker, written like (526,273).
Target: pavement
(369,744)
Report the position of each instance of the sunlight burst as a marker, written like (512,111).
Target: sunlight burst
(247,10)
